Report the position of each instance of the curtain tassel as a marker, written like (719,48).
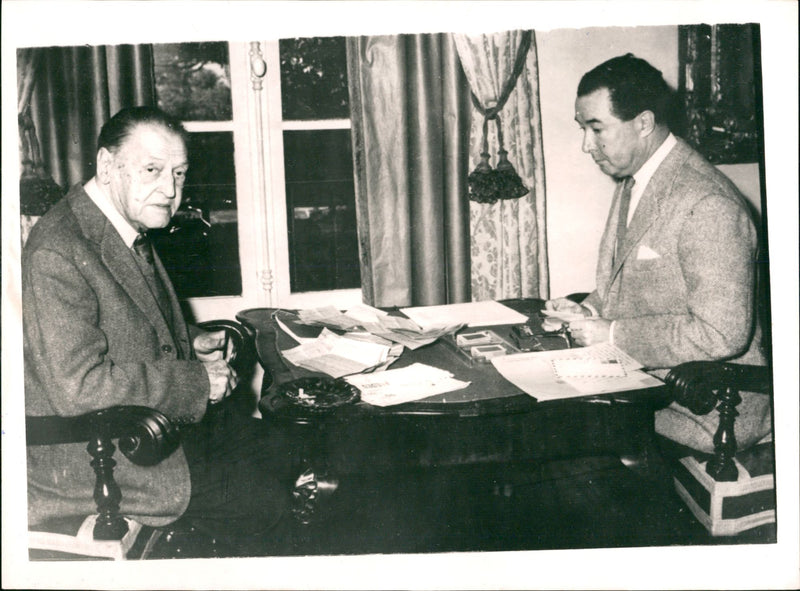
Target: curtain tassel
(487,185)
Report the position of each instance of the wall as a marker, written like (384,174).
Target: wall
(578,194)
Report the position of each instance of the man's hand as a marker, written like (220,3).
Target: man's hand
(590,331)
(211,346)
(222,379)
(565,305)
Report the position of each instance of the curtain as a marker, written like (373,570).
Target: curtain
(76,90)
(410,126)
(509,240)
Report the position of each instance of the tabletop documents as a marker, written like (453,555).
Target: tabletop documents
(362,343)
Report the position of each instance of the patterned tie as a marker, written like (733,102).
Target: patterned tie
(143,248)
(624,206)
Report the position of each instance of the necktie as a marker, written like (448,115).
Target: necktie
(143,248)
(144,252)
(624,206)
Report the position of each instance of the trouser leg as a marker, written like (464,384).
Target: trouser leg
(241,478)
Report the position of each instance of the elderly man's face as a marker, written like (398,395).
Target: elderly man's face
(615,145)
(145,175)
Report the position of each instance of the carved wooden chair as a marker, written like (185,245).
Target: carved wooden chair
(145,436)
(732,490)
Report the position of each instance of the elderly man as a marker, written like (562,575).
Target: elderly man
(675,274)
(102,327)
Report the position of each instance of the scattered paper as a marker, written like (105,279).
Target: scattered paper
(336,355)
(396,386)
(377,322)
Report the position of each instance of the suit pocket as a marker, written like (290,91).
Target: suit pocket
(654,286)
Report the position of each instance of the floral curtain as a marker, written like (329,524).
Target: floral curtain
(508,237)
(410,115)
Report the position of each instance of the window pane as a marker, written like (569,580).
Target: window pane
(193,80)
(314,78)
(320,198)
(200,248)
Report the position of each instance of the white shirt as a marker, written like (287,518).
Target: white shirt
(646,172)
(121,225)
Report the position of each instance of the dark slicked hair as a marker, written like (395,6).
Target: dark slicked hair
(633,86)
(120,126)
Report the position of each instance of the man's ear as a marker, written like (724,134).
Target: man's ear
(647,123)
(105,161)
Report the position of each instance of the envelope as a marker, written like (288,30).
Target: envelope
(645,253)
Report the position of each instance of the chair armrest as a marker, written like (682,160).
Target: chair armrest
(696,384)
(702,386)
(146,436)
(243,355)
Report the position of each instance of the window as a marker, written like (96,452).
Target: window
(311,158)
(268,217)
(200,248)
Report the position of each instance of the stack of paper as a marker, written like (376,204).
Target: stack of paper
(407,384)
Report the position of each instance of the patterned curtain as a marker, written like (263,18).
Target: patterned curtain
(509,241)
(410,123)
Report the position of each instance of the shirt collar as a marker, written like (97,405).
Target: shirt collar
(121,225)
(644,174)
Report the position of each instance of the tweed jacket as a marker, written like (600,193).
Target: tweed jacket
(681,285)
(94,336)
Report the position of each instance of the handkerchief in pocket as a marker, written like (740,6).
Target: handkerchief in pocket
(646,253)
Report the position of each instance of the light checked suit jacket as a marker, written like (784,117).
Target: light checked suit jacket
(94,336)
(681,286)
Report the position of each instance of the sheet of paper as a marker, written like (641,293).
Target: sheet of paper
(488,313)
(536,373)
(588,368)
(396,386)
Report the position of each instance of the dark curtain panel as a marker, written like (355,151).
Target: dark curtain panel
(76,90)
(410,111)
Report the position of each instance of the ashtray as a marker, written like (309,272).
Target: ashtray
(319,394)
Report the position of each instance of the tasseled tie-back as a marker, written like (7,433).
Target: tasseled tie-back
(488,185)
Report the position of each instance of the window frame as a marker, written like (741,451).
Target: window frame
(341,298)
(261,190)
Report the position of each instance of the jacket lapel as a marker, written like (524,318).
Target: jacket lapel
(649,208)
(119,260)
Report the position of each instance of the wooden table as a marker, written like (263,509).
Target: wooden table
(490,421)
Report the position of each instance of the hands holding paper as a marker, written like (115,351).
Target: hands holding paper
(590,331)
(565,307)
(584,329)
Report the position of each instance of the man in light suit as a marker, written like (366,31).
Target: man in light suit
(103,327)
(675,273)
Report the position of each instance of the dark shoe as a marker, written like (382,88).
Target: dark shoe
(309,491)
